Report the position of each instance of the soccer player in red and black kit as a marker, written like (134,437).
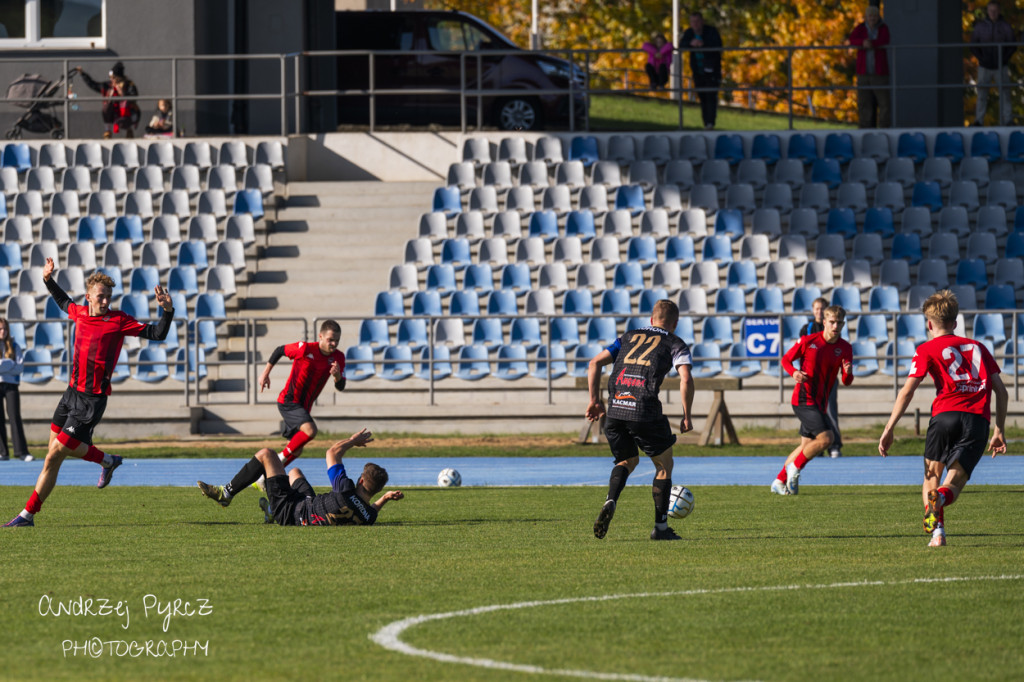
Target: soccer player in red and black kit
(821,357)
(635,421)
(292,501)
(312,365)
(965,376)
(99,333)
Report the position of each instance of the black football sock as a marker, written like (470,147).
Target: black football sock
(246,476)
(661,489)
(617,482)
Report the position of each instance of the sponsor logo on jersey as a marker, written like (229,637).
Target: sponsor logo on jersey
(630,380)
(309,356)
(625,396)
(838,352)
(814,346)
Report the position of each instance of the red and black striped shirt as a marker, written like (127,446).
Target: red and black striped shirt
(98,341)
(821,362)
(310,371)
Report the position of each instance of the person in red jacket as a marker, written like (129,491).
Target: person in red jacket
(871,36)
(821,357)
(965,375)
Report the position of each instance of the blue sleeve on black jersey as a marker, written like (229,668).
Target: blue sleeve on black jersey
(614,348)
(335,472)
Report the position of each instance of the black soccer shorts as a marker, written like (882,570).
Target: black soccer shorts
(812,420)
(293,415)
(956,437)
(628,438)
(78,414)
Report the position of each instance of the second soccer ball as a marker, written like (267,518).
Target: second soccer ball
(680,502)
(449,478)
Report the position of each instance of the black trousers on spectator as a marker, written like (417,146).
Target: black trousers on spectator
(9,393)
(707,93)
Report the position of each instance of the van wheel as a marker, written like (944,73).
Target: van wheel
(519,113)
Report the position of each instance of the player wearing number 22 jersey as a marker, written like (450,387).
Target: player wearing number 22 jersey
(640,360)
(965,375)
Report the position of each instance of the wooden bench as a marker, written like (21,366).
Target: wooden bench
(718,426)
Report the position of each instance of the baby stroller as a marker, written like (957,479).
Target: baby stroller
(30,91)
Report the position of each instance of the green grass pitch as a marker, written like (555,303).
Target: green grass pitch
(290,603)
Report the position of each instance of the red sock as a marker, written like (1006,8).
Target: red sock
(782,475)
(948,494)
(34,504)
(800,461)
(93,454)
(297,441)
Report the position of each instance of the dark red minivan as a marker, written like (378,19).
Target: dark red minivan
(444,50)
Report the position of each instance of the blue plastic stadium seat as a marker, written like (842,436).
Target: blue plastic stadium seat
(447,200)
(192,369)
(628,276)
(584,148)
(359,363)
(616,302)
(397,361)
(986,144)
(803,298)
(249,201)
(41,373)
(971,272)
(913,146)
(631,198)
(442,363)
(950,146)
(1015,149)
(731,300)
(91,228)
(565,332)
(151,365)
(707,360)
(839,146)
(927,194)
(456,252)
(865,359)
(580,224)
(440,278)
(989,326)
(878,219)
(841,221)
(1000,297)
(802,146)
(680,249)
(717,330)
(17,155)
(544,224)
(1014,242)
(742,274)
(907,247)
(578,302)
(905,351)
(826,171)
(412,333)
(729,222)
(872,328)
(389,304)
(793,327)
(642,250)
(768,300)
(129,228)
(601,330)
(581,358)
(478,277)
(374,334)
(558,366)
(730,148)
(473,363)
(717,248)
(511,364)
(884,298)
(426,303)
(525,331)
(488,332)
(847,296)
(911,327)
(740,365)
(767,147)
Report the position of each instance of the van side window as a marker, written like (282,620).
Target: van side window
(447,35)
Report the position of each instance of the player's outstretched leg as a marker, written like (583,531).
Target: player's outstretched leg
(215,493)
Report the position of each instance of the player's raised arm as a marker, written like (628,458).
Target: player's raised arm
(337,451)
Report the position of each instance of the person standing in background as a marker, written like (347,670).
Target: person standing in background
(11,358)
(993,62)
(871,36)
(705,65)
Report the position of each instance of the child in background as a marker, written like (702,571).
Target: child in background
(162,122)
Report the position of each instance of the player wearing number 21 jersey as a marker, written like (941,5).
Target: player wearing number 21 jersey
(640,360)
(965,375)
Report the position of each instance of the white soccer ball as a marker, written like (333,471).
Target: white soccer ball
(680,502)
(449,478)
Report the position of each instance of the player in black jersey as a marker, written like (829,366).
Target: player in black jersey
(292,501)
(635,422)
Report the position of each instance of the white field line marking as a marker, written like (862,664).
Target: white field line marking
(390,635)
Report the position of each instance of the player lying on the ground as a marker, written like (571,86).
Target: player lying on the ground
(965,376)
(291,500)
(312,365)
(98,333)
(822,356)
